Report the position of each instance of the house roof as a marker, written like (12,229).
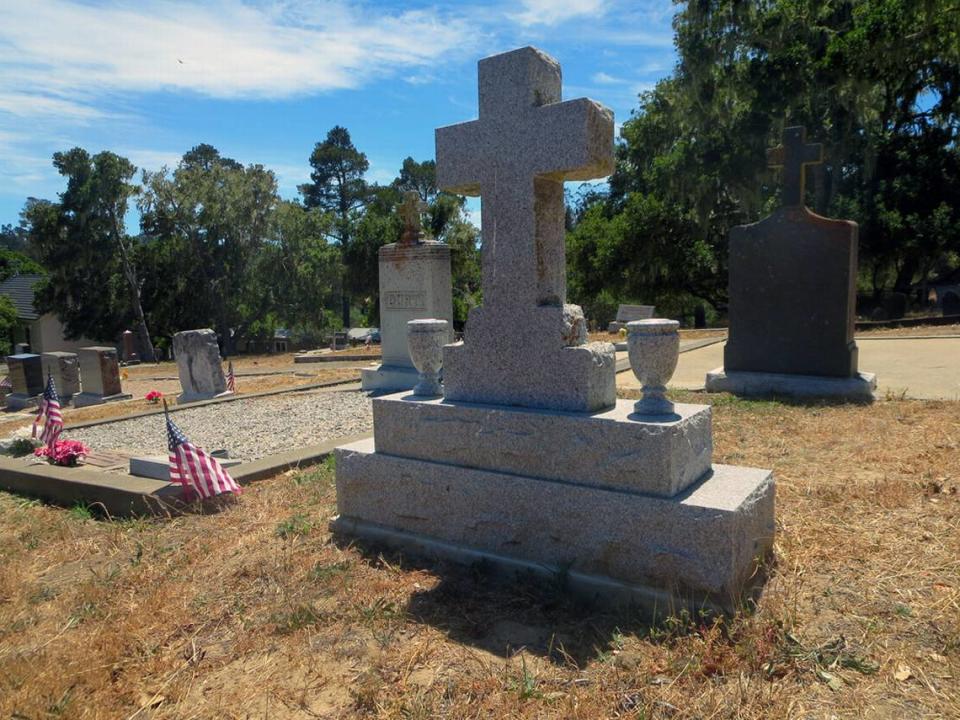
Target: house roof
(19,289)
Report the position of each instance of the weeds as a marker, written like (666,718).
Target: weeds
(300,617)
(294,526)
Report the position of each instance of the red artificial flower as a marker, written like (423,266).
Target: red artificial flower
(154,396)
(63,452)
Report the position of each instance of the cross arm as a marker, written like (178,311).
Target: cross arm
(575,140)
(460,157)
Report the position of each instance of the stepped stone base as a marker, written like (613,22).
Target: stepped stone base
(700,547)
(614,448)
(19,401)
(84,399)
(388,378)
(197,397)
(860,388)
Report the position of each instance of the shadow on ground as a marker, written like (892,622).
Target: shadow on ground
(477,606)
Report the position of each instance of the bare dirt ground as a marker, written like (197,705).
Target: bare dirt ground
(256,611)
(279,372)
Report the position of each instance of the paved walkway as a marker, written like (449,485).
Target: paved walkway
(922,368)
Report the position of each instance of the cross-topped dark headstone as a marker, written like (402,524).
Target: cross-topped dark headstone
(793,156)
(525,143)
(792,283)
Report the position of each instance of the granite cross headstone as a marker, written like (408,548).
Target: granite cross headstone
(524,346)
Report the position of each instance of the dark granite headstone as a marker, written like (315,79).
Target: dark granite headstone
(951,304)
(26,373)
(793,282)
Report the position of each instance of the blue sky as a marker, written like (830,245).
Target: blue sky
(264,81)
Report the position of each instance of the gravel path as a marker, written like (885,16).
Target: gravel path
(249,429)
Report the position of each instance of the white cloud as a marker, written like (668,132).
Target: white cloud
(553,12)
(602,78)
(222,49)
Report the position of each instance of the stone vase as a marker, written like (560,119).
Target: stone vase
(426,339)
(654,347)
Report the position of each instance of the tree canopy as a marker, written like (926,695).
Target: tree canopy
(876,81)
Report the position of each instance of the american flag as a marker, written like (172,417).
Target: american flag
(50,414)
(231,378)
(193,468)
(6,384)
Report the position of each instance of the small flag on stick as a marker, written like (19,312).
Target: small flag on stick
(193,468)
(49,414)
(231,378)
(6,385)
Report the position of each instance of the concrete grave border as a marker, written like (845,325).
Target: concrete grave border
(125,495)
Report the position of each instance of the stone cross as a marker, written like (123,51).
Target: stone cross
(517,155)
(793,156)
(410,210)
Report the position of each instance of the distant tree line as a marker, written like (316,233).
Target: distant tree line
(876,81)
(217,246)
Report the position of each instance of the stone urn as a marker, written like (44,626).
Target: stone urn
(426,339)
(654,347)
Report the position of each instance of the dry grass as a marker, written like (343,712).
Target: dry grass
(603,336)
(918,331)
(256,612)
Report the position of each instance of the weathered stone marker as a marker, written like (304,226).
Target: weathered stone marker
(26,376)
(529,461)
(415,283)
(792,295)
(199,365)
(64,367)
(99,377)
(517,155)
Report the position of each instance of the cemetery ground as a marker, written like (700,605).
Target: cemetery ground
(255,373)
(256,611)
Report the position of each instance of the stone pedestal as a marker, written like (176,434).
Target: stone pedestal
(64,367)
(199,365)
(26,375)
(860,388)
(99,377)
(415,283)
(614,500)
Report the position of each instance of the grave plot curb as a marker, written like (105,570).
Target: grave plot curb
(126,495)
(300,359)
(212,401)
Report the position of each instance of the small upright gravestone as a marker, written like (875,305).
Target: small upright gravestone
(529,461)
(199,365)
(99,377)
(26,377)
(64,368)
(415,283)
(792,288)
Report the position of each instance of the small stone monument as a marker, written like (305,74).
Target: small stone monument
(130,348)
(99,377)
(199,365)
(26,376)
(64,368)
(528,460)
(415,283)
(792,293)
